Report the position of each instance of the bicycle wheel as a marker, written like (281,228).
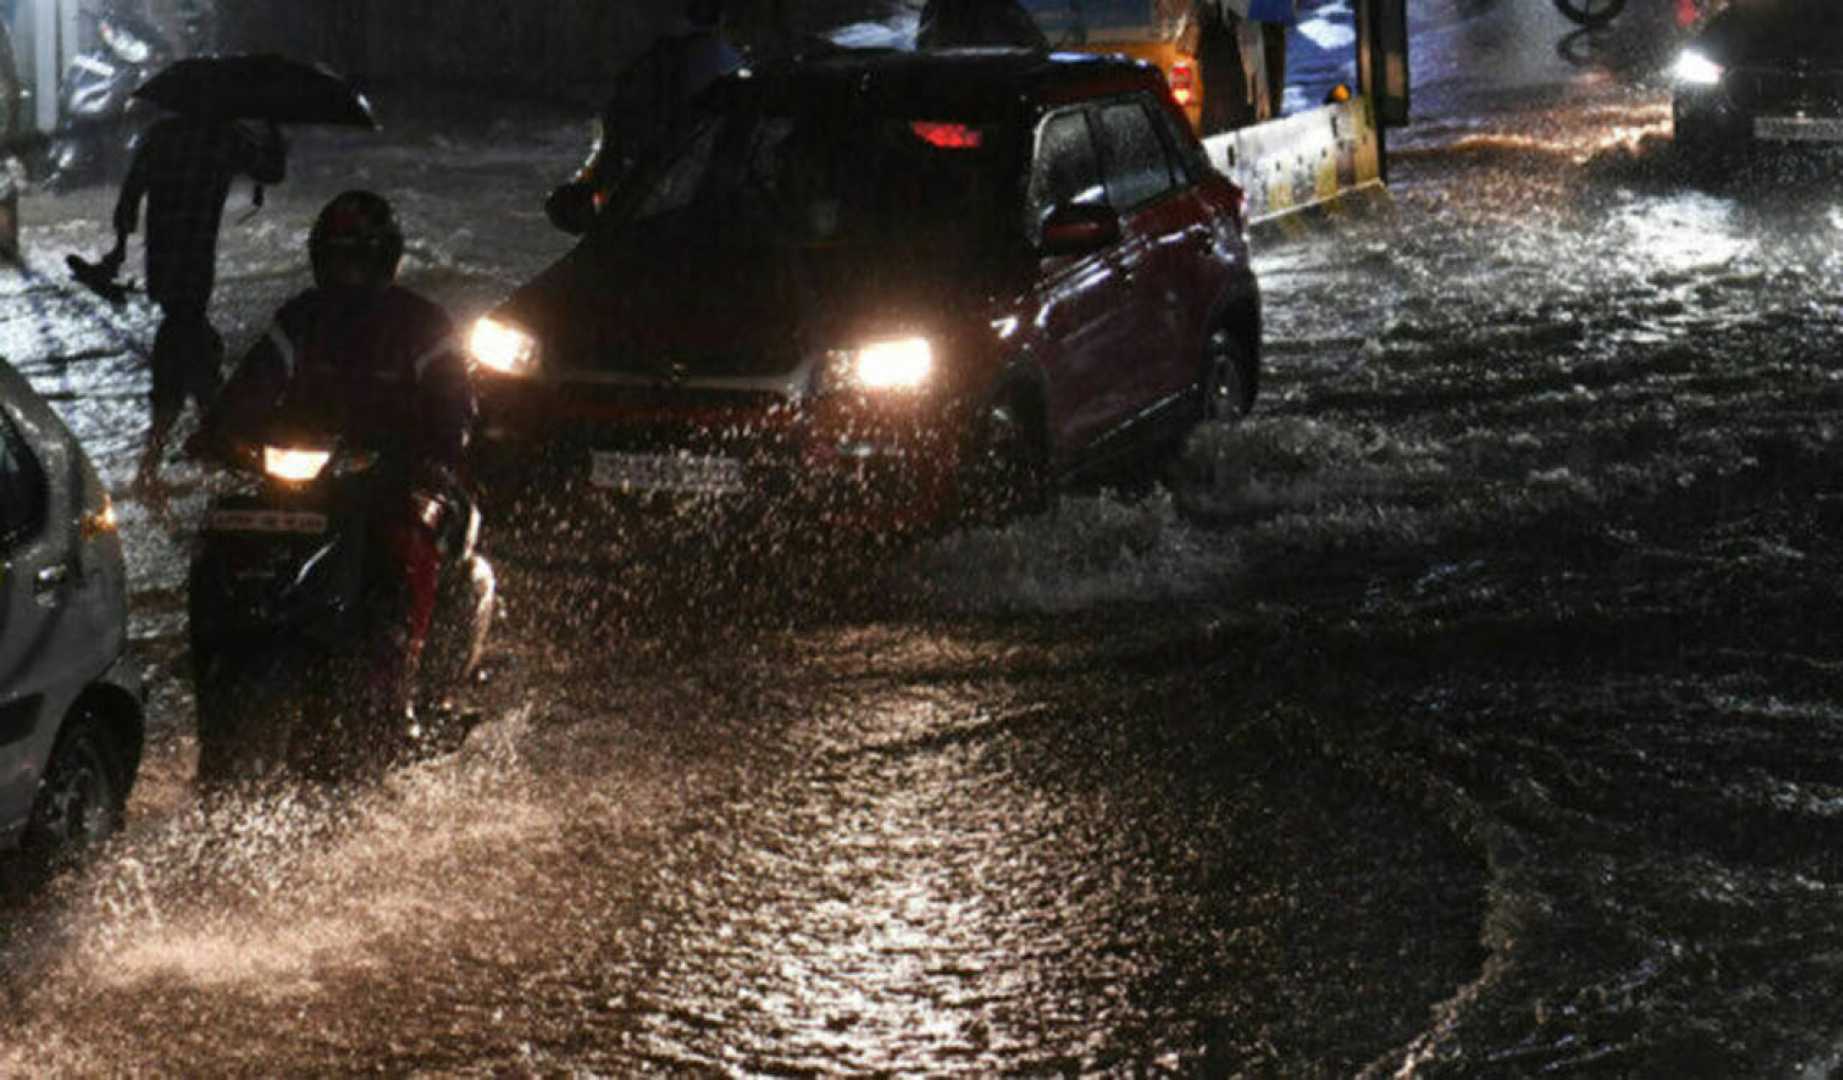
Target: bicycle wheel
(1591,12)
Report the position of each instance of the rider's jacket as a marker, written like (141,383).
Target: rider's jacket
(385,362)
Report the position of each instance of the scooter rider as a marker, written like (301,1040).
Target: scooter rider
(387,360)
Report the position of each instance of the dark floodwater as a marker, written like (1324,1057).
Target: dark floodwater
(1480,718)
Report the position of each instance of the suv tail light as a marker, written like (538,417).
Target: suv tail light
(1183,80)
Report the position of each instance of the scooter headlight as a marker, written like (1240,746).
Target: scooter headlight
(1694,69)
(293,465)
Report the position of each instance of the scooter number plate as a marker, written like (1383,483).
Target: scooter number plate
(699,473)
(266,521)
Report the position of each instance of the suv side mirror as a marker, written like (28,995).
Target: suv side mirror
(1079,229)
(571,207)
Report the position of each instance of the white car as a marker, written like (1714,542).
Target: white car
(71,704)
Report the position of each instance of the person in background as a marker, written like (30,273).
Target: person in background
(1231,53)
(651,102)
(951,23)
(183,168)
(1276,17)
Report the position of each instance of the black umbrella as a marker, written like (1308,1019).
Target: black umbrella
(263,86)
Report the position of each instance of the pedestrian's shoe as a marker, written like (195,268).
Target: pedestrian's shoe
(148,486)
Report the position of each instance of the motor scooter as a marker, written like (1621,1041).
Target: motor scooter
(99,118)
(287,604)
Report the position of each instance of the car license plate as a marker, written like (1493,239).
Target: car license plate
(703,474)
(266,521)
(1799,128)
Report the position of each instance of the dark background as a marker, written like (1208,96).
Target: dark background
(561,49)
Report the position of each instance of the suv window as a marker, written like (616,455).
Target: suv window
(23,494)
(1187,155)
(1066,169)
(1137,168)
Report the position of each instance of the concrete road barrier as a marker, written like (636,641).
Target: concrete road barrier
(9,225)
(1308,160)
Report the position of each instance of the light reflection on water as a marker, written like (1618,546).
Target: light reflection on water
(1693,232)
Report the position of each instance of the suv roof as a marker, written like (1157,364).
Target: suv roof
(967,84)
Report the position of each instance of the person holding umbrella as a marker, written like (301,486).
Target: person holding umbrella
(224,123)
(183,168)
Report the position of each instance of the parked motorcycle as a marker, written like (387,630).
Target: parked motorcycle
(99,119)
(286,605)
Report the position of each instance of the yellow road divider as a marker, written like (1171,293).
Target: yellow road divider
(1310,160)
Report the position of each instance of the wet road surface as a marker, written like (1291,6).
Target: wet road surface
(1477,718)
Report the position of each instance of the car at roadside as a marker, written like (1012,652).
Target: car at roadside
(890,290)
(71,705)
(1766,74)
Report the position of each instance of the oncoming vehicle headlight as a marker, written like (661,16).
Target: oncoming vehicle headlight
(1694,69)
(902,364)
(503,347)
(298,466)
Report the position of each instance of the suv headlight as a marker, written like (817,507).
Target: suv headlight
(502,347)
(1694,69)
(901,364)
(294,465)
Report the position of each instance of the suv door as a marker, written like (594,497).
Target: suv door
(1088,316)
(1159,224)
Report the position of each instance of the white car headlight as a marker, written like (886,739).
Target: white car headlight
(299,466)
(1694,69)
(503,347)
(902,364)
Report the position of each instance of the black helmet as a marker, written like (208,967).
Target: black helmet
(356,240)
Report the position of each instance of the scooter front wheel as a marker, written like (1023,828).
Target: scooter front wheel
(247,709)
(1591,13)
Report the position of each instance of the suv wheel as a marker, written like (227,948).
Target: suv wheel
(1007,472)
(1228,379)
(1697,145)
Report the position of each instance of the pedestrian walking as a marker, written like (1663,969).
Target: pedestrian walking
(1231,51)
(1275,18)
(184,168)
(950,23)
(651,100)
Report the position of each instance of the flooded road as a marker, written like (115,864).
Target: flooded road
(1478,718)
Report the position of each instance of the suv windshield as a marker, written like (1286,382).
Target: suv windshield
(926,190)
(1082,22)
(1787,29)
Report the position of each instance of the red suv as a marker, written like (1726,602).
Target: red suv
(888,289)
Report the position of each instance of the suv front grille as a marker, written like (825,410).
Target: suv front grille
(1772,90)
